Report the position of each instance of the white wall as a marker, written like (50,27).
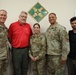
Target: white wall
(65,9)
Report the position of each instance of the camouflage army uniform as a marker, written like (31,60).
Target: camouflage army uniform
(3,50)
(38,50)
(57,49)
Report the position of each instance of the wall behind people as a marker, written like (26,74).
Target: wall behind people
(64,9)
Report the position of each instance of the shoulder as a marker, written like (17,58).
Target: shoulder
(48,29)
(13,23)
(32,36)
(42,35)
(70,31)
(61,27)
(27,24)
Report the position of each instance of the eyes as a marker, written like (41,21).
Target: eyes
(52,17)
(73,23)
(23,16)
(3,15)
(36,27)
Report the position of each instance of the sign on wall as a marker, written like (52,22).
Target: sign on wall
(38,12)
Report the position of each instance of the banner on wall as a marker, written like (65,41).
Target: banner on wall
(38,12)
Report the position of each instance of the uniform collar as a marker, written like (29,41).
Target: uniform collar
(53,26)
(2,25)
(36,35)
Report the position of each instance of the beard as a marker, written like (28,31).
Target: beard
(74,27)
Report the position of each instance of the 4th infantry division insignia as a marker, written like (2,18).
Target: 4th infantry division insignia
(38,12)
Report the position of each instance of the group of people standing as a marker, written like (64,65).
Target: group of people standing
(48,51)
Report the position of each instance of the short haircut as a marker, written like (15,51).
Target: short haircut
(3,10)
(23,12)
(52,13)
(36,24)
(72,19)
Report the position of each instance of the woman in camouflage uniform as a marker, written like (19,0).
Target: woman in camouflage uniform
(37,51)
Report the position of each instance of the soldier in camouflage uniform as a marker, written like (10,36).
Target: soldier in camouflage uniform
(57,47)
(37,51)
(3,43)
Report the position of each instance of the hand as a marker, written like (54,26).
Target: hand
(32,58)
(63,61)
(35,59)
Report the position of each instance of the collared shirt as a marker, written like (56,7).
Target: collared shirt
(57,41)
(19,34)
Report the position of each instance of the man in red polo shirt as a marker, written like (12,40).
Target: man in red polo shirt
(19,34)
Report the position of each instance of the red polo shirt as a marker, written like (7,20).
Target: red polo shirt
(19,34)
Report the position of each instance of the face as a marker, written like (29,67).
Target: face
(52,19)
(3,16)
(23,17)
(36,29)
(73,24)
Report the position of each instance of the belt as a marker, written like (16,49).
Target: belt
(20,47)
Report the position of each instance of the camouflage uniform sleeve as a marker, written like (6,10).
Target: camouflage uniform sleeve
(64,39)
(43,48)
(30,55)
(29,52)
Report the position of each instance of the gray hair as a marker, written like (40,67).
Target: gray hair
(23,12)
(3,10)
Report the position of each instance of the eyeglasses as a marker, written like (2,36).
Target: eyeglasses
(23,16)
